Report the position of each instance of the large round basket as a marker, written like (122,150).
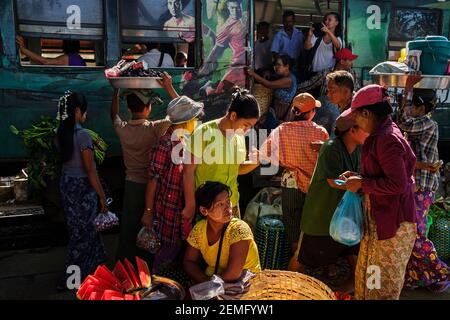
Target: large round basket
(286,285)
(264,97)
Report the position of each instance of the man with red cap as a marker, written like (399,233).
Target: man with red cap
(290,146)
(344,61)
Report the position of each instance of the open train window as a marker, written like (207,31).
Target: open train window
(170,23)
(79,53)
(62,31)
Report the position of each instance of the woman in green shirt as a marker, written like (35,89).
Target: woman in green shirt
(216,151)
(316,248)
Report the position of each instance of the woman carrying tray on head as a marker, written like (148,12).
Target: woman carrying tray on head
(424,269)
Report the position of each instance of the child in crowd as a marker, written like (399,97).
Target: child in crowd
(164,196)
(137,136)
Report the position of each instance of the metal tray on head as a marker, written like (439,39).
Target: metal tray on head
(399,80)
(135,82)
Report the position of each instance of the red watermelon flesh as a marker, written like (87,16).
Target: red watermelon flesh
(133,274)
(144,273)
(90,280)
(89,290)
(117,298)
(104,274)
(128,297)
(121,273)
(95,296)
(137,297)
(110,294)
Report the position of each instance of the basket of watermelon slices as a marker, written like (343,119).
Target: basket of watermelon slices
(128,282)
(133,75)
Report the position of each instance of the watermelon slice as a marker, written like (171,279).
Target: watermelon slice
(121,273)
(144,273)
(89,290)
(117,298)
(133,274)
(109,294)
(104,274)
(95,296)
(128,297)
(90,280)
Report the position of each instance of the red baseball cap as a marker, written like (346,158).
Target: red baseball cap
(345,54)
(367,96)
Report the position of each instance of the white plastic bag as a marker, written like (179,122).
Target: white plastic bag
(347,224)
(208,290)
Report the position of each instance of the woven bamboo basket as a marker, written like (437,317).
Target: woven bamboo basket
(264,97)
(286,285)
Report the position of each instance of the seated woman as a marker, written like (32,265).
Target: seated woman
(285,87)
(71,56)
(219,237)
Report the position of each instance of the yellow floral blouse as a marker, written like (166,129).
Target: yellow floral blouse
(237,230)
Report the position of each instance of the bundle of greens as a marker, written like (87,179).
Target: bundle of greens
(39,142)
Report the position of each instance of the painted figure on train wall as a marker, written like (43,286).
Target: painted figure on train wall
(174,17)
(225,31)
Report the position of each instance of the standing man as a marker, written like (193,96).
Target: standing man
(288,41)
(344,61)
(340,87)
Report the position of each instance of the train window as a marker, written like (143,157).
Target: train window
(47,29)
(1,50)
(408,23)
(161,21)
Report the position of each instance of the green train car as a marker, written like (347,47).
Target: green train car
(375,30)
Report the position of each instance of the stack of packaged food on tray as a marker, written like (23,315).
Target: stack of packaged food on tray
(133,75)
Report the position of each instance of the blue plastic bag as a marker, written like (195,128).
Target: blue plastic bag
(347,224)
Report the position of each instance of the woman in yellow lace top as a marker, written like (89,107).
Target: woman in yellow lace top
(239,249)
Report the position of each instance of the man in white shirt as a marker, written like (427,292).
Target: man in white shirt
(156,58)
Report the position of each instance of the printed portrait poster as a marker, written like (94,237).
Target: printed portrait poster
(160,18)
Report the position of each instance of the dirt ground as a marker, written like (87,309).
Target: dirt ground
(32,274)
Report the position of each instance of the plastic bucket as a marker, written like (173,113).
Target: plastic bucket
(435,54)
